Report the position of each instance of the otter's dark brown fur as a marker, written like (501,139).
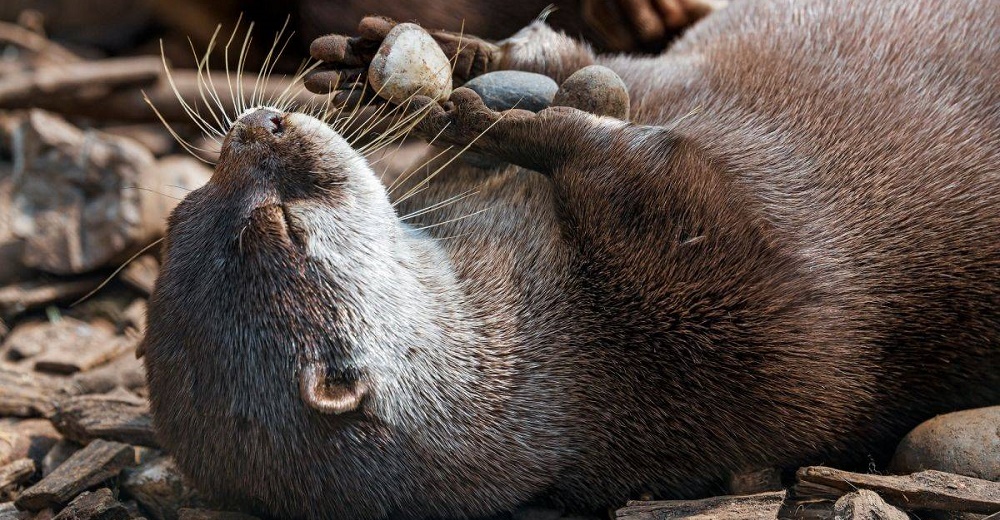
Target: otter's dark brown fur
(791,256)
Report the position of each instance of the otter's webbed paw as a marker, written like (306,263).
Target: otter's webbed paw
(533,140)
(350,63)
(465,120)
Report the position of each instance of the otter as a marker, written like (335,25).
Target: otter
(787,253)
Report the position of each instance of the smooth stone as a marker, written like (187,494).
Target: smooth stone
(408,63)
(966,443)
(507,89)
(595,89)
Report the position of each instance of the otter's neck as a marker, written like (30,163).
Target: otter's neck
(415,338)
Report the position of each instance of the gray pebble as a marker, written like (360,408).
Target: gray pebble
(506,89)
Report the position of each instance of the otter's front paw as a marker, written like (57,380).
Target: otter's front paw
(465,120)
(539,141)
(394,61)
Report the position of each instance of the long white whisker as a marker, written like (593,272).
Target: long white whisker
(229,80)
(257,97)
(202,65)
(244,50)
(463,217)
(442,204)
(401,180)
(459,154)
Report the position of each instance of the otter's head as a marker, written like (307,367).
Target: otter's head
(298,332)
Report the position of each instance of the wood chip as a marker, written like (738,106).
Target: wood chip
(129,104)
(30,438)
(23,296)
(763,506)
(8,511)
(99,77)
(134,317)
(73,346)
(866,505)
(126,371)
(96,505)
(77,208)
(16,473)
(111,417)
(44,514)
(154,136)
(97,462)
(206,514)
(141,273)
(35,42)
(923,490)
(59,453)
(159,486)
(25,394)
(23,342)
(755,481)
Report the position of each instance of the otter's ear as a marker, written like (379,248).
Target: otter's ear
(325,397)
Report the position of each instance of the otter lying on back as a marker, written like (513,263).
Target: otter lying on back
(789,256)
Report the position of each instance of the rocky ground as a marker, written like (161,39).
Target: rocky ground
(87,177)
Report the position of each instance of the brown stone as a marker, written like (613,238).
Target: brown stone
(966,443)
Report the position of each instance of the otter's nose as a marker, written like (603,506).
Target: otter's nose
(266,119)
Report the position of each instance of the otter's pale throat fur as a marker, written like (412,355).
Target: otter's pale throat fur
(790,256)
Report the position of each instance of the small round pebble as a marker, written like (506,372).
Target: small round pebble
(597,90)
(966,443)
(506,89)
(410,62)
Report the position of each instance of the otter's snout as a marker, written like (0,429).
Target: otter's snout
(263,121)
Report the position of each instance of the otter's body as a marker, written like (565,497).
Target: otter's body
(792,257)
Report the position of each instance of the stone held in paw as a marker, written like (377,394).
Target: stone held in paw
(410,62)
(595,89)
(506,89)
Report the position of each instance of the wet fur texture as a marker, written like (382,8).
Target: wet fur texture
(790,257)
